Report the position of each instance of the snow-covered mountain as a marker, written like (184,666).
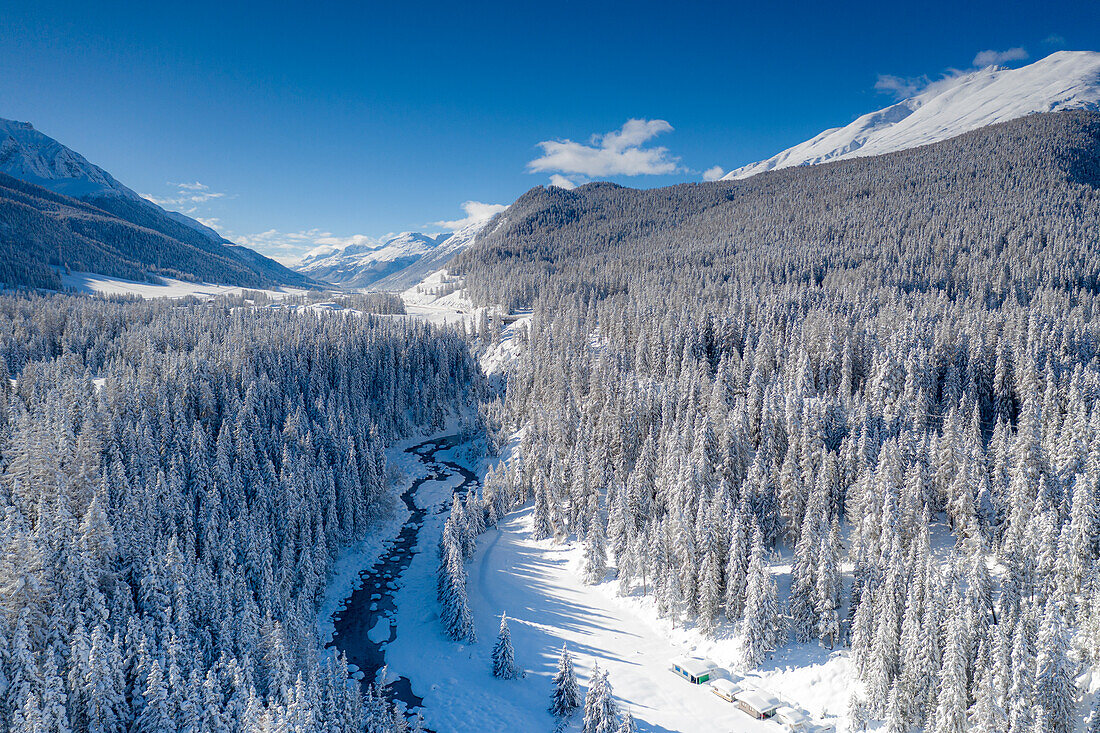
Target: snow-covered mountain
(395,265)
(950,107)
(29,155)
(61,209)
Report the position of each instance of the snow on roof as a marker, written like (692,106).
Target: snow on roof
(788,714)
(758,700)
(694,665)
(727,686)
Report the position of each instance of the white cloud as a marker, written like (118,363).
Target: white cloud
(562,182)
(290,247)
(616,153)
(996,58)
(714,173)
(1055,40)
(186,197)
(476,212)
(900,86)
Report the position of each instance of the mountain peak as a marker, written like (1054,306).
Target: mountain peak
(951,106)
(29,155)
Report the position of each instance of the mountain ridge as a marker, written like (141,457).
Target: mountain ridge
(394,265)
(949,107)
(89,218)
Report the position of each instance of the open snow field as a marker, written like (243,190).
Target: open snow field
(90,282)
(536,583)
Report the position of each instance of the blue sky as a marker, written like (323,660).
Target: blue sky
(307,123)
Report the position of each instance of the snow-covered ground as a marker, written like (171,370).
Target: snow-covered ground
(90,282)
(537,584)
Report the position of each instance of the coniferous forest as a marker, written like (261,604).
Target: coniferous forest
(882,373)
(177,480)
(884,370)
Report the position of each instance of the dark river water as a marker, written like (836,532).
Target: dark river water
(374,600)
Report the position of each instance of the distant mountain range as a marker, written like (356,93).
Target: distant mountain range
(944,109)
(59,211)
(395,265)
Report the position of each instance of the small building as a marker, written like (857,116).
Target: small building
(728,690)
(693,669)
(793,719)
(758,704)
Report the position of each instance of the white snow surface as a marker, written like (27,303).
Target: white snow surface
(394,265)
(537,584)
(950,107)
(94,283)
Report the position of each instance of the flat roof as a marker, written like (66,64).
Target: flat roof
(694,665)
(793,715)
(759,700)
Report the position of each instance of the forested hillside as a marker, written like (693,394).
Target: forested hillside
(42,232)
(836,363)
(176,482)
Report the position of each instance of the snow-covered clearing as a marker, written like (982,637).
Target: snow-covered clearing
(537,584)
(90,282)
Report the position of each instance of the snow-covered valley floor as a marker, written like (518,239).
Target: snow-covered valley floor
(536,584)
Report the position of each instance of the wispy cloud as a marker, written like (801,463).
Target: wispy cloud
(901,86)
(713,173)
(617,153)
(990,57)
(186,197)
(1055,40)
(291,247)
(562,182)
(476,211)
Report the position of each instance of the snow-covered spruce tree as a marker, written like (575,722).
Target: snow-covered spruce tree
(595,554)
(601,714)
(567,695)
(504,656)
(763,627)
(627,725)
(454,606)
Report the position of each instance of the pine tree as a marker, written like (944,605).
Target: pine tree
(762,629)
(600,712)
(595,554)
(155,715)
(1055,691)
(566,696)
(458,623)
(951,696)
(504,662)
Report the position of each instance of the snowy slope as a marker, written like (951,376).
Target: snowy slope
(34,158)
(359,265)
(958,104)
(27,154)
(396,265)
